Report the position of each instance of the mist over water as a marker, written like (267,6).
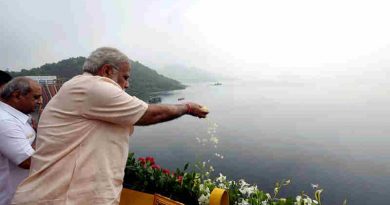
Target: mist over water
(321,132)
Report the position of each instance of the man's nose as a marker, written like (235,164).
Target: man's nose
(127,84)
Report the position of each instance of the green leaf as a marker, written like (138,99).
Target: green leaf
(131,155)
(186,166)
(317,195)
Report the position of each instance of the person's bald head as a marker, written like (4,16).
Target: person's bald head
(24,94)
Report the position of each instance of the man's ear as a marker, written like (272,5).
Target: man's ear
(105,71)
(16,94)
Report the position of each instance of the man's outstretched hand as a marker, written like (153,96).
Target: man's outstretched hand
(197,110)
(157,113)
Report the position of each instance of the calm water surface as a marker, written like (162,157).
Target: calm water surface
(336,136)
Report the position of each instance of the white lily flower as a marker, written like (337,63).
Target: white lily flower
(207,191)
(244,202)
(243,183)
(287,182)
(298,198)
(204,199)
(221,178)
(307,201)
(201,187)
(276,190)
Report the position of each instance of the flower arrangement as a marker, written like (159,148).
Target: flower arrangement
(194,187)
(143,174)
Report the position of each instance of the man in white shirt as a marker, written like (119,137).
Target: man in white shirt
(19,97)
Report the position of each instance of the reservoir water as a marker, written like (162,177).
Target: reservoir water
(334,135)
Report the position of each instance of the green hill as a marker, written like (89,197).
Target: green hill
(144,82)
(64,69)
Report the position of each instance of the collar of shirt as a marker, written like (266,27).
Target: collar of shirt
(109,79)
(87,74)
(23,118)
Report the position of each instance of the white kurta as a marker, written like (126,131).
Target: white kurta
(82,144)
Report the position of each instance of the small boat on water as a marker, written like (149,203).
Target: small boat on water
(217,83)
(178,99)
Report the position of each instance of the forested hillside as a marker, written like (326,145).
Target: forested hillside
(144,82)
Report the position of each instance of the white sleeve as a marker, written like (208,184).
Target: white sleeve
(13,143)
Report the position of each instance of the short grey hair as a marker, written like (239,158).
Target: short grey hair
(21,84)
(101,56)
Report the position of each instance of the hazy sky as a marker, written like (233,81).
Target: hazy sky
(240,38)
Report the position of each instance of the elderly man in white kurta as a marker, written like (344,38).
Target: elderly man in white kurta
(83,135)
(19,98)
